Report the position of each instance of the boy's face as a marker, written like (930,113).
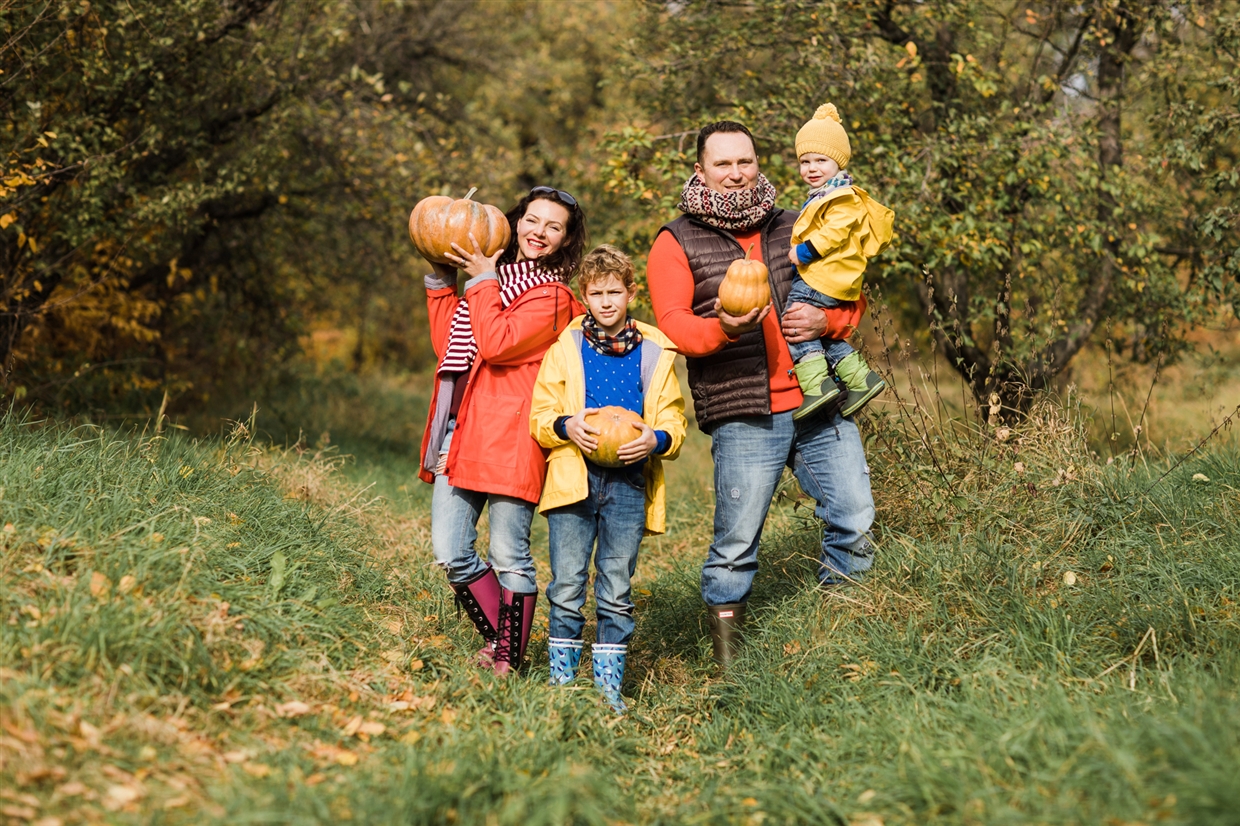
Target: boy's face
(817,169)
(608,301)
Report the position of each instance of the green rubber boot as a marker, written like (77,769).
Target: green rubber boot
(816,385)
(863,383)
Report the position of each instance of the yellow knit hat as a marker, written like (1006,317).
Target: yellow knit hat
(825,135)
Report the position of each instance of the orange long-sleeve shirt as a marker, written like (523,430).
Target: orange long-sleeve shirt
(671,295)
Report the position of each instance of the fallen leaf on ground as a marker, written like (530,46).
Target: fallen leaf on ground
(20,797)
(99,584)
(40,774)
(256,769)
(119,796)
(293,708)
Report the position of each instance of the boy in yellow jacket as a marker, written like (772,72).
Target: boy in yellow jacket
(601,359)
(839,229)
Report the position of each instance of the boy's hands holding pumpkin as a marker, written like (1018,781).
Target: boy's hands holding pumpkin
(639,448)
(580,433)
(474,263)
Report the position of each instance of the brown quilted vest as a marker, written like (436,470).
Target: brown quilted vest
(733,382)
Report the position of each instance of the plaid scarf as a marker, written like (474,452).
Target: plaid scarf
(515,279)
(621,344)
(732,211)
(841,179)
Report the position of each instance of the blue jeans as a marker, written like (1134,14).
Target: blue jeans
(828,460)
(614,514)
(835,348)
(454,532)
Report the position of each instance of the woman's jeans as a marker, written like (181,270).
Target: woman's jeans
(614,514)
(828,460)
(454,532)
(836,349)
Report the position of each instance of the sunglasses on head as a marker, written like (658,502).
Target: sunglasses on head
(569,200)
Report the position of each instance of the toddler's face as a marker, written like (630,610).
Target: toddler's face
(608,300)
(817,169)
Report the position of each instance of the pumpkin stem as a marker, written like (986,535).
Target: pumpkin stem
(747,252)
(470,194)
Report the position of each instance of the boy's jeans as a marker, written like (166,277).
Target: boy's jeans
(454,531)
(836,349)
(614,513)
(828,460)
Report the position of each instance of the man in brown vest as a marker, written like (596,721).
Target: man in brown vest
(740,373)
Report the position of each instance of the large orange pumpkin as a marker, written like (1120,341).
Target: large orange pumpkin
(439,221)
(745,287)
(615,428)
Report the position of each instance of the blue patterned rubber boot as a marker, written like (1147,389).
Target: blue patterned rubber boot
(609,673)
(565,655)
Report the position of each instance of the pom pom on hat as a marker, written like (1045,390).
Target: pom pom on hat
(827,110)
(824,134)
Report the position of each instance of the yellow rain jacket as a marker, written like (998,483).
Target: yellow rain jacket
(561,391)
(847,227)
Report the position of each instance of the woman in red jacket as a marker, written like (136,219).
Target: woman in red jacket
(477,449)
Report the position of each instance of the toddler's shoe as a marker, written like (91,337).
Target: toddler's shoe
(863,383)
(817,386)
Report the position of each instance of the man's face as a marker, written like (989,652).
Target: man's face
(729,162)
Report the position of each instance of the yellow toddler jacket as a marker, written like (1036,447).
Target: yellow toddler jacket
(847,227)
(561,391)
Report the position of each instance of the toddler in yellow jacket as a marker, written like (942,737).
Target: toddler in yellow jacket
(602,359)
(839,229)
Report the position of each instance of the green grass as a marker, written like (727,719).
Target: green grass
(965,682)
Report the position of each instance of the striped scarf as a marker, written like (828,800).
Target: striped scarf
(515,279)
(621,344)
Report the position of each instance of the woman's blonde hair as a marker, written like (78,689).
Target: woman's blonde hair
(603,262)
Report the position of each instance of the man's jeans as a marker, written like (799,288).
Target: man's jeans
(615,514)
(836,349)
(454,531)
(828,460)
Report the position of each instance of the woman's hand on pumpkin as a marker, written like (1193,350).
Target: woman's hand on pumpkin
(803,322)
(639,448)
(734,325)
(474,263)
(580,433)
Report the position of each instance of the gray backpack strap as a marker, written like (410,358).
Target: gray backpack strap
(578,338)
(650,360)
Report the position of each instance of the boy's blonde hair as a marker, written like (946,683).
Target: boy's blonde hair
(603,262)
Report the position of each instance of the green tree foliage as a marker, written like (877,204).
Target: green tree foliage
(1058,170)
(191,188)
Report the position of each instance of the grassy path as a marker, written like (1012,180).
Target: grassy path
(220,632)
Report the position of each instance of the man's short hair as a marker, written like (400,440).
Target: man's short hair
(721,126)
